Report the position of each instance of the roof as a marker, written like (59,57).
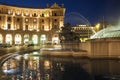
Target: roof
(53,6)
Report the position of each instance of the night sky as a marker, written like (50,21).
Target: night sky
(92,10)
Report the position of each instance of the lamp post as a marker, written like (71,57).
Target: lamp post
(97,27)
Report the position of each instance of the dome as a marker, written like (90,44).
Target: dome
(109,32)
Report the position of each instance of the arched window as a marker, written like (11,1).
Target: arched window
(1,39)
(35,39)
(9,39)
(18,39)
(26,38)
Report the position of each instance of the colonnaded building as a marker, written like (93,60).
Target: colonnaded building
(21,25)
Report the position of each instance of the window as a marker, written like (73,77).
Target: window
(42,15)
(55,14)
(34,20)
(55,26)
(26,20)
(18,19)
(9,19)
(9,26)
(18,12)
(34,14)
(0,18)
(26,27)
(9,12)
(26,13)
(55,20)
(35,27)
(42,20)
(42,27)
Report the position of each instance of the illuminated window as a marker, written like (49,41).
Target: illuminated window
(35,39)
(55,39)
(8,11)
(47,64)
(1,38)
(35,27)
(30,28)
(26,20)
(43,37)
(9,39)
(34,20)
(46,14)
(18,12)
(46,28)
(26,13)
(18,39)
(26,38)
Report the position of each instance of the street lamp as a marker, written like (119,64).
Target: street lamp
(97,27)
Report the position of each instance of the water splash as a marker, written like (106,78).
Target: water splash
(76,18)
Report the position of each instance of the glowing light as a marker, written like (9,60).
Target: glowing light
(26,14)
(18,57)
(55,39)
(43,37)
(61,23)
(26,20)
(35,20)
(26,38)
(46,14)
(35,27)
(35,58)
(35,52)
(18,13)
(9,12)
(11,71)
(46,28)
(26,56)
(97,26)
(46,63)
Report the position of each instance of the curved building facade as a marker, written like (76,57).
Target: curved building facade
(21,25)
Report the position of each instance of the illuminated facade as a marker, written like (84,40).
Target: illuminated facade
(83,31)
(21,25)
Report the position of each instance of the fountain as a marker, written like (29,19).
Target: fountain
(104,44)
(75,18)
(109,32)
